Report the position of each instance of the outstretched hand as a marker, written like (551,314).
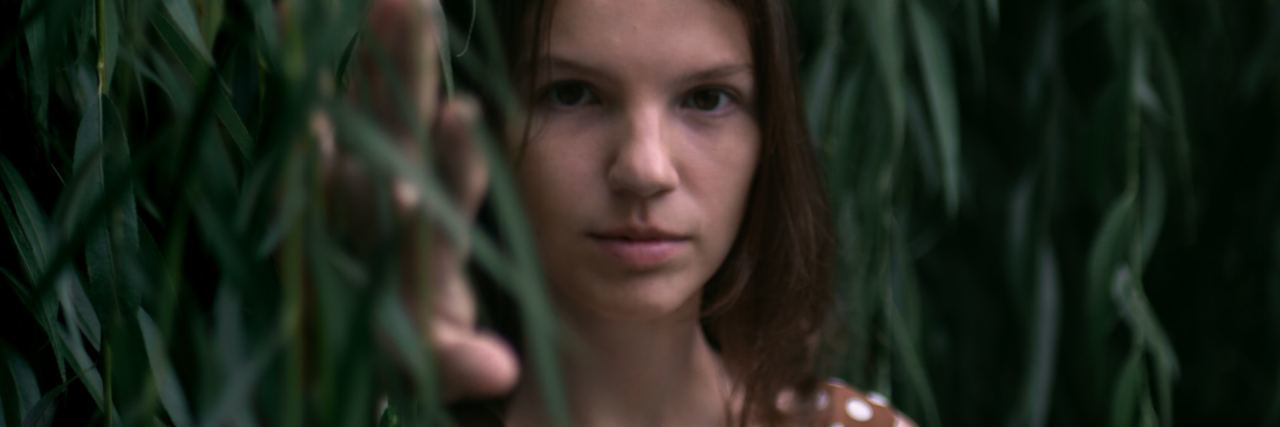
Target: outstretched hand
(402,34)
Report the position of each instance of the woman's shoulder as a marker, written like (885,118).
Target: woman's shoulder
(840,404)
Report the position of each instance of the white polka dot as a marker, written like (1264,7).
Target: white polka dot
(878,399)
(899,422)
(858,409)
(837,424)
(822,401)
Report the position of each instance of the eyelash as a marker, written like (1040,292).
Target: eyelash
(725,97)
(548,94)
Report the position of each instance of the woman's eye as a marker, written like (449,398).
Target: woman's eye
(707,100)
(570,94)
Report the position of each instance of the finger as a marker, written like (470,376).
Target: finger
(474,364)
(458,156)
(399,64)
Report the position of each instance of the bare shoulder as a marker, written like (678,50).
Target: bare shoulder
(842,405)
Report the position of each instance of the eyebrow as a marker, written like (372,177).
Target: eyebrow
(711,73)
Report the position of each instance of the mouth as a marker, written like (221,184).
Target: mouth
(640,248)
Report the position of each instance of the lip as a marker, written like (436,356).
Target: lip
(640,248)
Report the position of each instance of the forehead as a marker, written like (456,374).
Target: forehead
(648,36)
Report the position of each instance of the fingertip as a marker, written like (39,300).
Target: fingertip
(482,366)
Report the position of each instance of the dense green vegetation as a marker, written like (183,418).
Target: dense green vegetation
(1051,213)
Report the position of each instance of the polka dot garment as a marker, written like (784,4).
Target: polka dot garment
(841,406)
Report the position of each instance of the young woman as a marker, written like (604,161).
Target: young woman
(679,216)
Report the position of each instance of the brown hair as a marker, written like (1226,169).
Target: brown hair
(765,308)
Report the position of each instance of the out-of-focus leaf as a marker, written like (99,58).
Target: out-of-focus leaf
(526,284)
(38,80)
(166,379)
(820,83)
(1129,296)
(909,356)
(442,48)
(42,412)
(1128,387)
(973,37)
(342,72)
(211,13)
(1153,205)
(881,22)
(184,20)
(264,20)
(28,227)
(1110,245)
(109,42)
(23,388)
(86,317)
(1043,351)
(935,64)
(227,249)
(411,352)
(203,74)
(1171,85)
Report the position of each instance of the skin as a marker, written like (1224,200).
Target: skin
(636,175)
(644,122)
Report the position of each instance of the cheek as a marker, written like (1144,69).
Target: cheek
(554,171)
(719,176)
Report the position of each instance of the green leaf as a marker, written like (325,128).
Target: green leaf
(442,48)
(184,19)
(411,351)
(203,74)
(166,379)
(42,413)
(1043,349)
(86,317)
(821,85)
(1129,384)
(525,281)
(1146,328)
(935,64)
(38,80)
(881,22)
(1109,249)
(264,20)
(26,391)
(28,227)
(109,43)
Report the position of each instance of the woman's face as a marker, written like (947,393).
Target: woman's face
(641,153)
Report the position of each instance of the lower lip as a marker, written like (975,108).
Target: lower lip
(642,254)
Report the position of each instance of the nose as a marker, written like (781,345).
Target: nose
(642,165)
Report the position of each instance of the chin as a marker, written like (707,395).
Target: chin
(654,296)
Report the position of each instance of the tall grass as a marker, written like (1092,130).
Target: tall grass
(1050,213)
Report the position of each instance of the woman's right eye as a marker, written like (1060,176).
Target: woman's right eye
(570,94)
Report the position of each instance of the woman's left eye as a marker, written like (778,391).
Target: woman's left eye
(707,100)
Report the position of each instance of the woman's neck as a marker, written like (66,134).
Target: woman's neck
(624,372)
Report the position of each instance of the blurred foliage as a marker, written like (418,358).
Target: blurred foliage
(1050,213)
(1054,212)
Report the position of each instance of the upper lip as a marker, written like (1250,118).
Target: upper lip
(637,233)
